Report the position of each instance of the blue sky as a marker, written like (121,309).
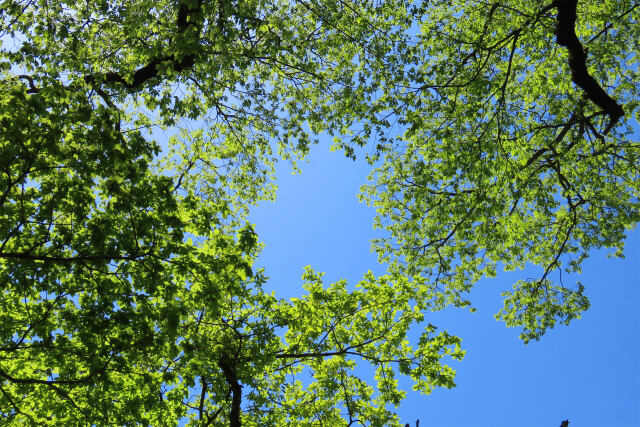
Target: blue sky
(588,372)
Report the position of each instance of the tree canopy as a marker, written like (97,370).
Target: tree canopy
(499,135)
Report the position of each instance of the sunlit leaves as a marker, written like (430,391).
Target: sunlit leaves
(129,294)
(504,161)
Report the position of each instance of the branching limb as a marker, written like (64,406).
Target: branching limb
(32,86)
(566,36)
(187,16)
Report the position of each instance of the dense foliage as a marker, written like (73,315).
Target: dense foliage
(498,133)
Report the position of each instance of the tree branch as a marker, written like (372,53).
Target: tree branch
(610,24)
(236,391)
(32,86)
(203,395)
(71,259)
(566,36)
(186,18)
(16,408)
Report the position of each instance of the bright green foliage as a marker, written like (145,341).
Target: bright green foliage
(128,295)
(504,161)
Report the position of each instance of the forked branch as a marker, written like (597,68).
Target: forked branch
(566,36)
(187,17)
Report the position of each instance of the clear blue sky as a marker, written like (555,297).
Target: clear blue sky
(588,372)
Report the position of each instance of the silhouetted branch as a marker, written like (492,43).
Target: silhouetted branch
(566,36)
(78,258)
(32,86)
(151,70)
(236,391)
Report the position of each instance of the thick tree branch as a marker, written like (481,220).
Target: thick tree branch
(230,377)
(203,395)
(566,36)
(32,86)
(78,258)
(186,18)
